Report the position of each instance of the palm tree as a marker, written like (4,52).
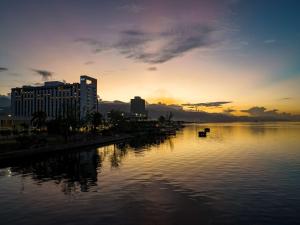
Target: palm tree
(170,116)
(116,117)
(95,119)
(61,126)
(39,119)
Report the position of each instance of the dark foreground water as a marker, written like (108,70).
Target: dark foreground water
(240,174)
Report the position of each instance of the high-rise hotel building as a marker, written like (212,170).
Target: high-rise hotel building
(138,108)
(56,99)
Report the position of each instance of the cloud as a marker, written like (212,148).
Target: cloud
(263,112)
(134,33)
(152,68)
(285,99)
(132,8)
(269,41)
(207,104)
(2,69)
(154,48)
(271,114)
(244,43)
(46,75)
(89,62)
(15,74)
(158,47)
(97,46)
(38,84)
(228,111)
(5,69)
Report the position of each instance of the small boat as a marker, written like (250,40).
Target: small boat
(202,134)
(207,129)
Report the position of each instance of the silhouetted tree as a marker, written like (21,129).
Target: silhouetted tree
(161,119)
(61,126)
(53,126)
(95,119)
(116,117)
(39,119)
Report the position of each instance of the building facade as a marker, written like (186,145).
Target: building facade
(56,99)
(88,95)
(138,107)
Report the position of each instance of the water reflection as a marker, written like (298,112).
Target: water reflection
(242,173)
(70,169)
(79,170)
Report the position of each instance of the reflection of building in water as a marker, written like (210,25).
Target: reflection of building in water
(79,170)
(116,153)
(70,169)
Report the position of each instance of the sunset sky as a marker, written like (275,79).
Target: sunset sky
(243,52)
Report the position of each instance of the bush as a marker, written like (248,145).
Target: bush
(5,133)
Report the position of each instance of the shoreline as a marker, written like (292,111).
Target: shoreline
(124,136)
(103,141)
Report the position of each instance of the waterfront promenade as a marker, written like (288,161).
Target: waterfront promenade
(64,146)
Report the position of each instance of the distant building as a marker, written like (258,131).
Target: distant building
(138,107)
(55,99)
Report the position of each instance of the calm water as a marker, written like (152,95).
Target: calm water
(240,174)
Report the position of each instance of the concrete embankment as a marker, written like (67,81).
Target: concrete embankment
(101,141)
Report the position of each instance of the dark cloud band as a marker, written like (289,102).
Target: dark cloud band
(207,104)
(2,69)
(136,44)
(177,41)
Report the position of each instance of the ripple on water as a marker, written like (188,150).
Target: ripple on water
(245,173)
